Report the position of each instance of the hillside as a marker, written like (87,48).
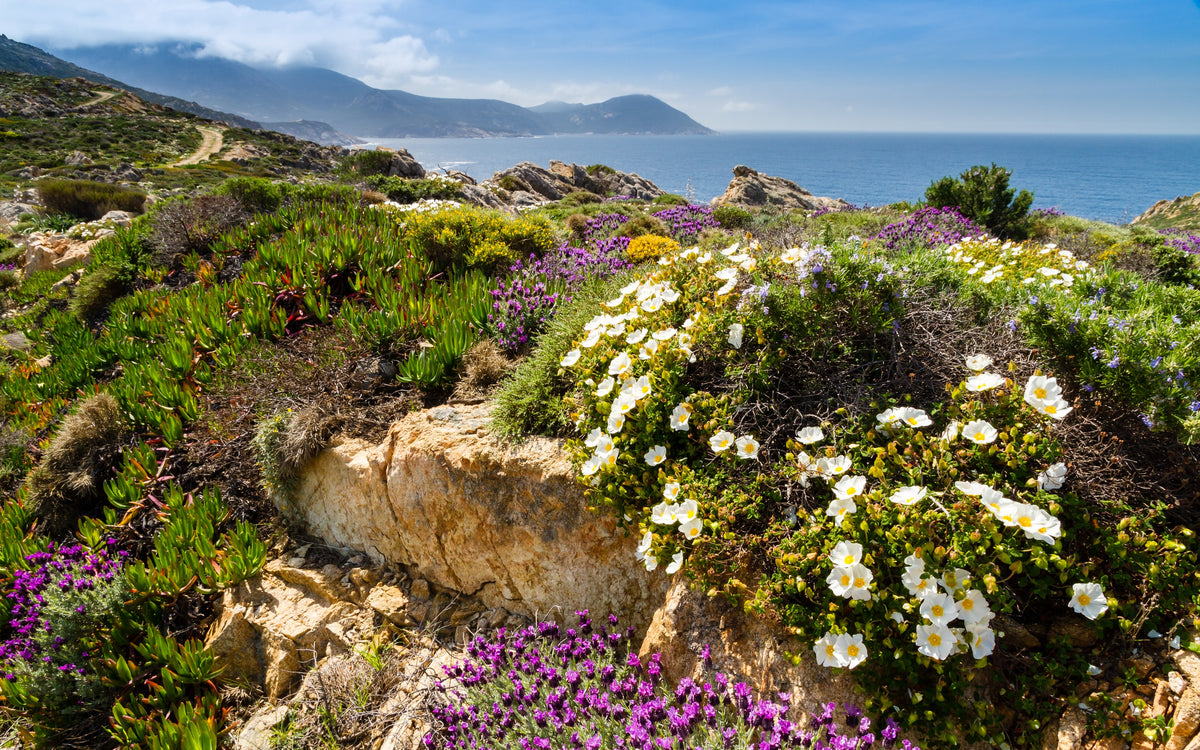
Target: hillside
(1181,213)
(281,441)
(356,108)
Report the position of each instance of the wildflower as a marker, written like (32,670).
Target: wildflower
(747,447)
(1056,409)
(1037,523)
(671,490)
(1088,600)
(935,641)
(1053,477)
(1041,389)
(979,432)
(978,362)
(594,437)
(911,417)
(908,495)
(635,337)
(616,421)
(810,435)
(950,434)
(939,608)
(605,387)
(954,580)
(691,529)
(984,382)
(727,287)
(571,358)
(735,335)
(624,403)
(656,455)
(840,508)
(721,441)
(973,608)
(850,650)
(849,487)
(982,640)
(664,514)
(676,563)
(846,554)
(641,388)
(665,334)
(833,467)
(590,466)
(680,416)
(688,510)
(825,649)
(644,546)
(620,364)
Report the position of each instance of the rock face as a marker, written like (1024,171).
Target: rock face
(1181,213)
(505,524)
(560,179)
(751,189)
(47,251)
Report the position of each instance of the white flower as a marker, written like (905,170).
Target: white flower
(979,432)
(908,495)
(747,447)
(1053,477)
(833,467)
(654,304)
(608,458)
(953,580)
(725,274)
(810,435)
(635,337)
(571,358)
(671,490)
(641,388)
(620,364)
(972,489)
(676,563)
(1056,409)
(649,349)
(721,441)
(605,387)
(888,416)
(850,650)
(1037,523)
(664,514)
(616,421)
(973,608)
(939,608)
(680,416)
(644,545)
(688,510)
(727,287)
(935,641)
(978,362)
(590,466)
(1088,600)
(592,339)
(825,649)
(950,434)
(846,553)
(849,487)
(691,529)
(656,455)
(840,508)
(631,287)
(911,417)
(1094,671)
(593,438)
(651,563)
(735,335)
(1041,389)
(983,641)
(665,334)
(984,382)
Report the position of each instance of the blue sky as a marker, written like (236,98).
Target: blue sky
(1039,66)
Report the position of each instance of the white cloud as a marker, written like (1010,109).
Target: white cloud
(359,38)
(720,91)
(737,107)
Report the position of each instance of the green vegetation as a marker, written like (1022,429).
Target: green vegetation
(982,195)
(88,200)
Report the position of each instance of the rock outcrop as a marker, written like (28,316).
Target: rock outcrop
(1180,213)
(506,524)
(750,189)
(529,183)
(45,251)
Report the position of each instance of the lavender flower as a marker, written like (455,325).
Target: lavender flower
(929,227)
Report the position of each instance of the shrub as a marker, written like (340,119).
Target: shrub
(577,223)
(184,227)
(255,195)
(982,195)
(641,225)
(595,169)
(484,365)
(404,190)
(369,163)
(928,227)
(670,199)
(469,237)
(685,222)
(580,198)
(287,441)
(732,217)
(67,483)
(650,247)
(1177,260)
(512,184)
(87,199)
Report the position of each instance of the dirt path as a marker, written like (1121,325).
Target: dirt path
(213,142)
(101,97)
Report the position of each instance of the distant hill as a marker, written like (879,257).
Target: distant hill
(351,106)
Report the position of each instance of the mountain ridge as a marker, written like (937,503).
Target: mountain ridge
(351,106)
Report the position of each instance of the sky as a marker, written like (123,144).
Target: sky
(1029,66)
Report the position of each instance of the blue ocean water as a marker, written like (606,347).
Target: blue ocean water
(1107,177)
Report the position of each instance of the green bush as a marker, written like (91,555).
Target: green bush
(87,199)
(476,238)
(512,184)
(404,190)
(369,163)
(670,199)
(580,197)
(254,194)
(642,225)
(982,195)
(192,226)
(732,217)
(595,169)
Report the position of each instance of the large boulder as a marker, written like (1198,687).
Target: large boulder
(45,251)
(473,514)
(534,183)
(753,190)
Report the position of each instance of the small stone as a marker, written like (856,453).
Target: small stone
(295,562)
(418,611)
(356,560)
(1176,681)
(255,734)
(495,617)
(1186,720)
(302,551)
(419,589)
(1162,699)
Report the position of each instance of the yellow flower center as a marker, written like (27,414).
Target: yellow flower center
(1084,599)
(937,610)
(967,604)
(935,639)
(1051,409)
(849,559)
(1025,522)
(860,583)
(845,580)
(980,436)
(829,650)
(1039,392)
(852,650)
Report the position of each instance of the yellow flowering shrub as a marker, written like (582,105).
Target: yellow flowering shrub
(650,247)
(475,237)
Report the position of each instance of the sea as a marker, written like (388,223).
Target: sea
(1109,178)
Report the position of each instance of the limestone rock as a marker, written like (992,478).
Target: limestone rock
(16,341)
(390,602)
(751,189)
(120,218)
(77,159)
(1071,728)
(537,184)
(404,165)
(479,195)
(282,664)
(1179,213)
(46,251)
(741,646)
(255,734)
(1187,719)
(475,515)
(244,153)
(12,211)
